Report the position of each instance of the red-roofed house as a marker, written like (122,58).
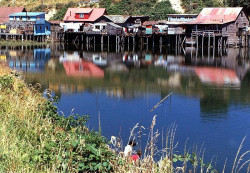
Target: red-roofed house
(84,15)
(229,22)
(6,11)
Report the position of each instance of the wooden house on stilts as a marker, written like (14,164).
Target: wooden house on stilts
(219,26)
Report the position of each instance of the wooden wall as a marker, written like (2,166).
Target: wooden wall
(234,30)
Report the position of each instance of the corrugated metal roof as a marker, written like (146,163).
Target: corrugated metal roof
(113,24)
(150,23)
(27,14)
(95,13)
(217,15)
(6,11)
(117,18)
(171,22)
(184,15)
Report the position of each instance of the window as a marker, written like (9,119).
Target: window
(97,27)
(40,27)
(47,28)
(20,17)
(81,15)
(241,14)
(245,24)
(104,27)
(28,17)
(36,28)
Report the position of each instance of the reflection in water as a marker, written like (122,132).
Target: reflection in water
(211,89)
(218,76)
(75,66)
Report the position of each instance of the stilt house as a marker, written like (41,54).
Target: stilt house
(32,23)
(227,25)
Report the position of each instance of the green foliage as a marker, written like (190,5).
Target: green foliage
(195,6)
(161,10)
(240,3)
(194,160)
(62,9)
(156,10)
(81,150)
(40,8)
(6,82)
(35,138)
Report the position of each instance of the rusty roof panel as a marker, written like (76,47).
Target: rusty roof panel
(118,18)
(217,15)
(6,11)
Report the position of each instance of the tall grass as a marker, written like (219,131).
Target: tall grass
(192,160)
(34,138)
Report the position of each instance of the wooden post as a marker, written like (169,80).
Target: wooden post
(214,41)
(208,39)
(202,44)
(176,41)
(153,39)
(102,40)
(218,44)
(197,41)
(160,40)
(248,40)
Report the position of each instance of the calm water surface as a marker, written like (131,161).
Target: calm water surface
(210,103)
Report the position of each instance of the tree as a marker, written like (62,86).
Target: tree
(240,3)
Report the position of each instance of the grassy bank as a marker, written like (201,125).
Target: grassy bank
(20,43)
(34,138)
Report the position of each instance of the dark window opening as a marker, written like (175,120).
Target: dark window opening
(81,15)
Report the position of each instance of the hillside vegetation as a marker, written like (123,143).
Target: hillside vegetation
(156,9)
(30,5)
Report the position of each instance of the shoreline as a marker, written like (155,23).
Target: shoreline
(22,43)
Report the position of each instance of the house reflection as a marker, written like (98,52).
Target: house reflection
(222,69)
(27,62)
(77,67)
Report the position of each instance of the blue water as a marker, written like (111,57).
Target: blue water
(212,116)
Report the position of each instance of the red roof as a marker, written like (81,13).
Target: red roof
(217,15)
(218,76)
(95,14)
(82,69)
(6,11)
